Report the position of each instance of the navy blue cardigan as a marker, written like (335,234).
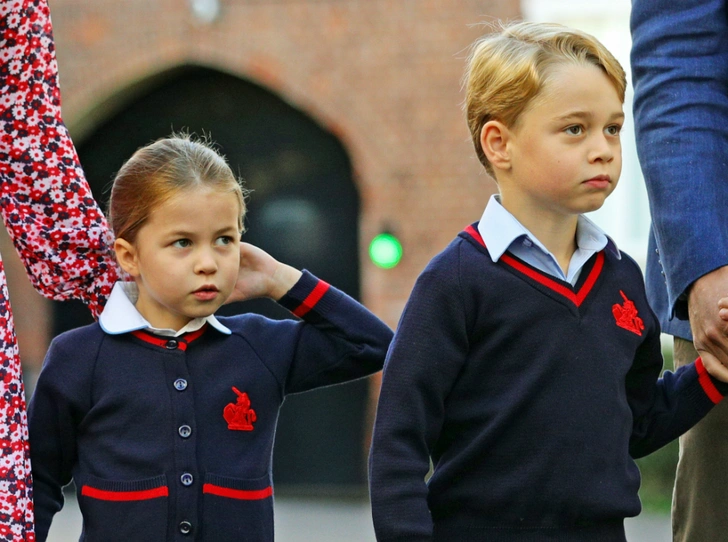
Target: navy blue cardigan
(171,439)
(530,397)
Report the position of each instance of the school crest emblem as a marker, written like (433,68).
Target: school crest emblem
(239,416)
(626,316)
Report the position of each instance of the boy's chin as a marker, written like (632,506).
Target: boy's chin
(591,208)
(593,204)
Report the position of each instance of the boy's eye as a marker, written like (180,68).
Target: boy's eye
(224,240)
(574,130)
(614,129)
(182,243)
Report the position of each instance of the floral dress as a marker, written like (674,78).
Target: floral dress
(52,218)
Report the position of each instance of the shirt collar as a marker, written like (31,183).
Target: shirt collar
(121,316)
(500,229)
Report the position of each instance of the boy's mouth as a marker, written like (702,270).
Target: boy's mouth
(600,181)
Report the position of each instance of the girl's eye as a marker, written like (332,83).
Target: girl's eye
(224,240)
(182,243)
(614,129)
(574,130)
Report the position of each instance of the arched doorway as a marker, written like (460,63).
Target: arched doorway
(303,209)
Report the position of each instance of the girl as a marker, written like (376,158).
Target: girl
(162,414)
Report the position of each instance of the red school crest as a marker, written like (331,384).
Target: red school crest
(626,315)
(239,416)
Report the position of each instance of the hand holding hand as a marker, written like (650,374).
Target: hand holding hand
(708,311)
(261,275)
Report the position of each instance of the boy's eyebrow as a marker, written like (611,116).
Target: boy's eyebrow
(617,115)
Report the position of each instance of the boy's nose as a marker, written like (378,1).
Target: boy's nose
(603,150)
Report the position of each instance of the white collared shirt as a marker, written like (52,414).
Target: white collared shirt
(502,232)
(121,316)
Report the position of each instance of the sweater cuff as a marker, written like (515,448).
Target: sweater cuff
(715,389)
(309,297)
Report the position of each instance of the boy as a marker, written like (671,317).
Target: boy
(526,362)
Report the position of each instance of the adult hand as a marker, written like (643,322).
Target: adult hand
(261,275)
(708,312)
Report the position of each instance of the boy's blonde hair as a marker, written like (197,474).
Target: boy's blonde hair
(157,172)
(506,71)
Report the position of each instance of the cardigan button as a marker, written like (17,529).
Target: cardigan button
(185,527)
(171,344)
(186,479)
(180,384)
(184,431)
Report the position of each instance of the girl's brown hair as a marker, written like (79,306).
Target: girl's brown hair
(159,171)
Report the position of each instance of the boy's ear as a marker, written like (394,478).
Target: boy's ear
(494,138)
(126,255)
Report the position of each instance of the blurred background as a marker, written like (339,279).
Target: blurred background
(344,118)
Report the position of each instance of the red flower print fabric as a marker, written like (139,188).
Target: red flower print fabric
(54,222)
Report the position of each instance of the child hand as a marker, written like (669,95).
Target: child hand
(723,308)
(715,368)
(261,275)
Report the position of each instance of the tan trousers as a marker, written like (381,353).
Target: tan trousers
(700,498)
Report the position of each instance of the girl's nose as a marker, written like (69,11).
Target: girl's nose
(206,263)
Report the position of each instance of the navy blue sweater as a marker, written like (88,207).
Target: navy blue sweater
(171,439)
(530,397)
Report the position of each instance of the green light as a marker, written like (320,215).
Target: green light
(385,250)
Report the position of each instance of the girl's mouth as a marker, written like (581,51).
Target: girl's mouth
(206,293)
